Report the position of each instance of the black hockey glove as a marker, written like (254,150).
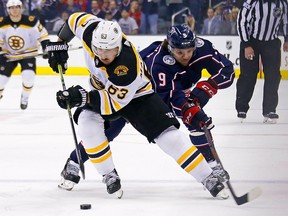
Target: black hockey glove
(3,59)
(76,96)
(202,92)
(57,55)
(195,116)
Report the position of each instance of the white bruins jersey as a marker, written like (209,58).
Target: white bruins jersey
(21,39)
(116,84)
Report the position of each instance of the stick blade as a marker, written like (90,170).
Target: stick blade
(248,197)
(254,193)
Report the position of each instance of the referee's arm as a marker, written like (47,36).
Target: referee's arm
(243,21)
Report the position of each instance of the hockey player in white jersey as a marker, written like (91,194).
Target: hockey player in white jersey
(123,89)
(19,40)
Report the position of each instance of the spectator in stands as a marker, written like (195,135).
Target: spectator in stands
(71,7)
(197,7)
(191,22)
(3,11)
(234,16)
(218,11)
(105,5)
(95,9)
(82,4)
(124,4)
(224,27)
(128,24)
(60,6)
(109,16)
(210,23)
(149,16)
(135,12)
(59,22)
(116,14)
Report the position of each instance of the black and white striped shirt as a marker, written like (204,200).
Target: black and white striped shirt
(262,19)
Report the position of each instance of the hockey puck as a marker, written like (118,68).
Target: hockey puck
(85,206)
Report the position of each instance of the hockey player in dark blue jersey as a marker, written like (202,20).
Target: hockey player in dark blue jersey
(176,65)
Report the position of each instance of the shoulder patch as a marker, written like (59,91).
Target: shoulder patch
(31,18)
(169,60)
(121,70)
(1,19)
(199,42)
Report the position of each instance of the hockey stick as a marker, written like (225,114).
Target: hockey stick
(37,55)
(247,197)
(79,158)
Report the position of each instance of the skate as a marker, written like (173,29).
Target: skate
(241,116)
(270,118)
(24,102)
(70,175)
(112,182)
(215,187)
(220,173)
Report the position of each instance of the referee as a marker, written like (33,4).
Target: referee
(259,24)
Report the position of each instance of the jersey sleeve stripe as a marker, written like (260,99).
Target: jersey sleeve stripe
(74,19)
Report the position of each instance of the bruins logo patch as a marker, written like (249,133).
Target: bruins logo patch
(16,42)
(121,70)
(31,18)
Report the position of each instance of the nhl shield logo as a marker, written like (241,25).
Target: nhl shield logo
(229,45)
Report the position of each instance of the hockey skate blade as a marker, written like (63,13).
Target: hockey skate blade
(269,121)
(66,185)
(254,193)
(223,194)
(119,194)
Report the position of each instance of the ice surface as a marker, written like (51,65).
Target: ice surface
(35,143)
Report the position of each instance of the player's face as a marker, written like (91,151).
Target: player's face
(107,55)
(15,11)
(183,56)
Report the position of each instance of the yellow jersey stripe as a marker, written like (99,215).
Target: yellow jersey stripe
(101,159)
(98,148)
(186,155)
(194,163)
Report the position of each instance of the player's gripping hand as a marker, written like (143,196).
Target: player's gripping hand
(44,48)
(202,92)
(57,55)
(75,96)
(3,59)
(195,116)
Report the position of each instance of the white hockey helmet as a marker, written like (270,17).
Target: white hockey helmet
(11,3)
(107,35)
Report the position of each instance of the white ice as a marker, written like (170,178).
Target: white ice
(35,143)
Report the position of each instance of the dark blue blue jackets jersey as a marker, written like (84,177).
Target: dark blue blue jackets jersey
(170,78)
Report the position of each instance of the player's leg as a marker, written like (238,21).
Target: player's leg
(28,78)
(152,118)
(92,132)
(70,173)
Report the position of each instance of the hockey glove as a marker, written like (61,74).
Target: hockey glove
(195,116)
(203,91)
(75,96)
(57,55)
(3,59)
